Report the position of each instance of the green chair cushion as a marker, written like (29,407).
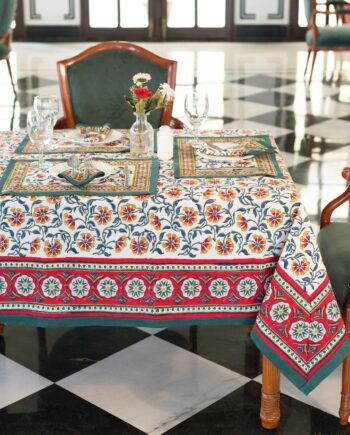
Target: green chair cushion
(337,36)
(99,83)
(7,12)
(4,50)
(334,243)
(308,9)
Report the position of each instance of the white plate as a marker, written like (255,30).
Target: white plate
(77,137)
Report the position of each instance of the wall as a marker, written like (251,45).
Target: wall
(51,12)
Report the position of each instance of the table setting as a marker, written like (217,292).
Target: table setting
(184,233)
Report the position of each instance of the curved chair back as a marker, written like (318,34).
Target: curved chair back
(7,12)
(308,9)
(93,84)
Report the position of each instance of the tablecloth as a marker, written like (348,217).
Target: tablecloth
(199,251)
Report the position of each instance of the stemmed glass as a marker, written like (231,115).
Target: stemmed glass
(39,129)
(196,110)
(48,105)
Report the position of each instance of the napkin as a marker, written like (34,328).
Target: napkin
(81,178)
(94,134)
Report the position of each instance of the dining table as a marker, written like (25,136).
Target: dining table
(180,244)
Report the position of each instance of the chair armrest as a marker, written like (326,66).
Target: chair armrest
(176,123)
(338,201)
(61,123)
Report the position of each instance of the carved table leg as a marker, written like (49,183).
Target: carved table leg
(344,410)
(2,327)
(270,396)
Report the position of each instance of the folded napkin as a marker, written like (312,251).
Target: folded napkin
(94,134)
(81,178)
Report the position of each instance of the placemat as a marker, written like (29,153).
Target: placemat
(63,144)
(21,178)
(257,158)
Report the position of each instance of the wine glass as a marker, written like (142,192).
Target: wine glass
(196,110)
(47,103)
(39,129)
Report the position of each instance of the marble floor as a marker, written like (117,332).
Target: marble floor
(58,381)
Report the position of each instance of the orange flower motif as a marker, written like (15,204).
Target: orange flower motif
(155,221)
(258,244)
(295,213)
(128,212)
(139,246)
(69,221)
(224,247)
(86,242)
(242,222)
(213,213)
(171,243)
(35,245)
(120,244)
(189,182)
(227,195)
(17,217)
(301,266)
(189,216)
(261,193)
(208,193)
(53,249)
(206,245)
(305,240)
(275,218)
(294,196)
(103,216)
(54,199)
(214,181)
(41,214)
(173,192)
(4,243)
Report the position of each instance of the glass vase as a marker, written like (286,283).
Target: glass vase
(141,137)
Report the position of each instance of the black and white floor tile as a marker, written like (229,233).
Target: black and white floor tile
(182,380)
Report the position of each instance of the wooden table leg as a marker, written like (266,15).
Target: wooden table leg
(344,411)
(270,395)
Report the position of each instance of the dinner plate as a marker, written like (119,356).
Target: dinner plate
(77,137)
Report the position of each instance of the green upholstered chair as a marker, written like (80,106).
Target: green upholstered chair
(326,38)
(93,84)
(7,13)
(334,242)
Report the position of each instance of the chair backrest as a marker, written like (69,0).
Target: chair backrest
(7,12)
(338,201)
(308,9)
(93,84)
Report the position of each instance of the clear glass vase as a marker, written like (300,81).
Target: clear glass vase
(141,137)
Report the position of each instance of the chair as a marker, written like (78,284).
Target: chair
(334,242)
(326,38)
(7,13)
(93,85)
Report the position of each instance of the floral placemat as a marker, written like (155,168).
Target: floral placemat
(22,178)
(248,156)
(61,143)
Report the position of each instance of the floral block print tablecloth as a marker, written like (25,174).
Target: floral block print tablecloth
(199,251)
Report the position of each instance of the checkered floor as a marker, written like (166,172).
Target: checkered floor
(182,380)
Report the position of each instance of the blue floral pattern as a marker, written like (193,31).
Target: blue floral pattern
(191,288)
(333,312)
(280,312)
(51,287)
(107,287)
(163,288)
(79,287)
(3,285)
(25,285)
(135,288)
(247,287)
(219,288)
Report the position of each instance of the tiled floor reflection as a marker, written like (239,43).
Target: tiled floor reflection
(181,380)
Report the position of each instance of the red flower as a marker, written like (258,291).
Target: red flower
(213,213)
(224,247)
(242,222)
(120,244)
(41,214)
(171,243)
(301,266)
(155,221)
(189,216)
(53,249)
(142,93)
(139,245)
(206,245)
(4,243)
(258,244)
(35,245)
(87,242)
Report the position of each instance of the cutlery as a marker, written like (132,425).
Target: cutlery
(73,163)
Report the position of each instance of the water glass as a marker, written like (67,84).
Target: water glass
(47,104)
(39,129)
(196,110)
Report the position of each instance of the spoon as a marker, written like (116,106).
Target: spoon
(73,162)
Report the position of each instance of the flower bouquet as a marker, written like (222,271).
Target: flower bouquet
(143,101)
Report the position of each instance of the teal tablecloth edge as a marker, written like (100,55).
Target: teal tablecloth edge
(72,321)
(292,375)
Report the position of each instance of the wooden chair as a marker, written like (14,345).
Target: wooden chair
(93,85)
(326,38)
(334,242)
(7,12)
